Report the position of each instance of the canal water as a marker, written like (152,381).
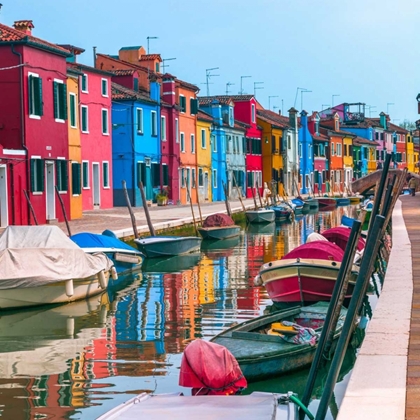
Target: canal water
(79,360)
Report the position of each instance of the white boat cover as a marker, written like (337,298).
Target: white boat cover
(32,256)
(315,237)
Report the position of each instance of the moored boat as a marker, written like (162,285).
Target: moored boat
(167,246)
(342,201)
(297,205)
(355,199)
(326,202)
(312,202)
(340,236)
(282,212)
(261,215)
(277,343)
(41,265)
(219,226)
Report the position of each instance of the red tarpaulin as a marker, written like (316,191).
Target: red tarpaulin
(210,369)
(318,250)
(340,236)
(219,220)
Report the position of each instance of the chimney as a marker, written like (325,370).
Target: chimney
(279,111)
(293,117)
(169,88)
(24,26)
(216,112)
(131,54)
(154,89)
(383,120)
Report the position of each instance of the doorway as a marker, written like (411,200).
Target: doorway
(3,196)
(206,186)
(96,186)
(50,192)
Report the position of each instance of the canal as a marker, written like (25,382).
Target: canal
(79,360)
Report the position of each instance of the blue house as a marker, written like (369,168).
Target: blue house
(306,160)
(136,151)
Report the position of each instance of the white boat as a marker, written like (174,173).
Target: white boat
(40,265)
(260,215)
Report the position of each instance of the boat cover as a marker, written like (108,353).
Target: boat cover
(317,250)
(210,369)
(32,256)
(93,240)
(340,236)
(314,236)
(218,220)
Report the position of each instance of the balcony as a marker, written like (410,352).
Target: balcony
(354,113)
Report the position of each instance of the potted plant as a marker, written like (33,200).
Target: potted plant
(162,197)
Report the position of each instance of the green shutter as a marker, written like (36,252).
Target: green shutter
(72,110)
(63,110)
(39,105)
(105,170)
(249,179)
(155,175)
(56,100)
(32,173)
(85,174)
(165,174)
(76,178)
(64,175)
(194,106)
(30,94)
(104,122)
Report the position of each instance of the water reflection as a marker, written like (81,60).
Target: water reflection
(79,360)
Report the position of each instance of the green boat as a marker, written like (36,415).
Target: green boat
(262,351)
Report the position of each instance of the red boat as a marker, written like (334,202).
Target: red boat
(326,202)
(340,236)
(305,275)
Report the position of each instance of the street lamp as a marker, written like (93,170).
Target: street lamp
(241,91)
(269,100)
(332,99)
(148,41)
(166,65)
(257,87)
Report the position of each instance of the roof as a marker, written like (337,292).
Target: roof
(330,125)
(10,35)
(151,57)
(366,123)
(72,48)
(224,99)
(85,68)
(360,141)
(121,93)
(397,128)
(131,48)
(320,137)
(123,72)
(273,118)
(204,116)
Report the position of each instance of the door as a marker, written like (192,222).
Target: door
(50,191)
(3,197)
(206,185)
(188,185)
(96,186)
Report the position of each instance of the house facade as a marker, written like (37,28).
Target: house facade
(203,136)
(305,152)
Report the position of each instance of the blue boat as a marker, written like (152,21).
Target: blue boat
(347,221)
(282,212)
(124,256)
(297,205)
(342,201)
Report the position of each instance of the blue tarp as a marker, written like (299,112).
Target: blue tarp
(93,240)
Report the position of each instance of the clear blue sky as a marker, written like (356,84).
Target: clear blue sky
(363,50)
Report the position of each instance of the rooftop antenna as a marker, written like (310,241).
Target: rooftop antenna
(301,96)
(387,107)
(257,87)
(227,87)
(166,65)
(208,75)
(94,53)
(241,92)
(269,100)
(148,41)
(297,92)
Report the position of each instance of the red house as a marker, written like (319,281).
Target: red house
(33,126)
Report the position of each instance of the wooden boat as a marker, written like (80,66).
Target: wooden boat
(264,347)
(177,263)
(342,201)
(260,215)
(297,205)
(305,275)
(218,226)
(124,256)
(168,246)
(282,212)
(355,199)
(326,202)
(41,265)
(312,202)
(340,236)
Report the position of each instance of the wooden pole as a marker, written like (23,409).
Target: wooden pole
(238,191)
(146,210)
(130,210)
(259,195)
(63,210)
(191,205)
(253,196)
(199,208)
(30,206)
(229,212)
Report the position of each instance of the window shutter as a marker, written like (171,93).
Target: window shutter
(65,175)
(194,106)
(72,110)
(30,95)
(58,174)
(165,174)
(63,111)
(85,174)
(39,97)
(41,174)
(104,130)
(249,179)
(32,173)
(56,101)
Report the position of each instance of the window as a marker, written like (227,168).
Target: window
(104,87)
(85,83)
(203,138)
(253,112)
(139,120)
(300,149)
(37,175)
(182,177)
(85,118)
(214,178)
(192,143)
(73,121)
(182,145)
(345,150)
(35,96)
(176,130)
(61,175)
(105,173)
(193,106)
(76,178)
(182,104)
(105,122)
(157,67)
(60,100)
(163,128)
(332,149)
(165,174)
(200,177)
(141,173)
(193,181)
(214,143)
(155,175)
(289,142)
(339,149)
(250,179)
(154,123)
(85,174)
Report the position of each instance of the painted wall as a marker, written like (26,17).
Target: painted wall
(306,163)
(410,153)
(348,160)
(203,136)
(235,160)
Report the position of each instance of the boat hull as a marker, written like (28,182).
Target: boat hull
(217,233)
(168,246)
(313,203)
(260,216)
(342,201)
(326,202)
(52,293)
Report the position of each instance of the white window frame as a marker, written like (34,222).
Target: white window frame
(192,143)
(182,142)
(332,149)
(193,178)
(107,121)
(106,95)
(139,111)
(105,163)
(153,124)
(339,151)
(87,119)
(88,176)
(59,120)
(87,83)
(214,173)
(163,127)
(185,111)
(253,113)
(176,130)
(33,116)
(203,137)
(72,94)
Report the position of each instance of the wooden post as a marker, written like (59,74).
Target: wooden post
(229,212)
(199,208)
(191,205)
(63,210)
(259,195)
(130,210)
(253,196)
(30,206)
(238,191)
(146,209)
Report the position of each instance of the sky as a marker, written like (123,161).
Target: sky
(358,50)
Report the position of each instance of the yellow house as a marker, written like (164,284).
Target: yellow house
(371,164)
(75,151)
(272,125)
(203,136)
(348,159)
(410,152)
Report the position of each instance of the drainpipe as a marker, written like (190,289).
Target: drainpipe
(22,127)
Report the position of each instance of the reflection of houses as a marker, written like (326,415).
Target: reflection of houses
(205,281)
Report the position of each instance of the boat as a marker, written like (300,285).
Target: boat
(307,274)
(347,221)
(326,202)
(355,199)
(222,244)
(41,265)
(282,212)
(312,202)
(340,236)
(367,206)
(274,344)
(124,256)
(297,205)
(219,226)
(174,264)
(167,246)
(342,201)
(261,215)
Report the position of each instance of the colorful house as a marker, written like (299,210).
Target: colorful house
(203,135)
(364,156)
(136,144)
(410,152)
(400,140)
(305,152)
(33,124)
